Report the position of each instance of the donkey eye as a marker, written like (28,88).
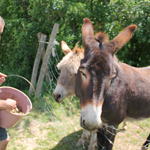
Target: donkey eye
(73,74)
(83,74)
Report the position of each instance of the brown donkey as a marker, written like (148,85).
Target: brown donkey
(110,91)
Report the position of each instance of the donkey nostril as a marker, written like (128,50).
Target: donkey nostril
(57,97)
(83,122)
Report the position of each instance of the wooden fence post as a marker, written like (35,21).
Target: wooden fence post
(41,39)
(46,59)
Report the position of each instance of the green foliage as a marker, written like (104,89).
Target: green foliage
(24,19)
(136,52)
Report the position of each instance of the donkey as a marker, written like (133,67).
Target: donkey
(110,91)
(69,66)
(66,83)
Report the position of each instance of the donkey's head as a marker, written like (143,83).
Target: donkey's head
(96,71)
(69,66)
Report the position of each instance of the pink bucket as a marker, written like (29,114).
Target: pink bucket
(8,119)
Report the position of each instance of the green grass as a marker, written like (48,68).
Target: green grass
(49,126)
(53,126)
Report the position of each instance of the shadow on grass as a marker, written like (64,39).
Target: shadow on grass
(69,142)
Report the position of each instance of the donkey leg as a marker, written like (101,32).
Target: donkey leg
(106,137)
(83,138)
(124,126)
(93,140)
(110,135)
(100,138)
(146,144)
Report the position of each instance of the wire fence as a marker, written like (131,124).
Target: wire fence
(65,118)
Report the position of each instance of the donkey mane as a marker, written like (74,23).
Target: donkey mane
(76,49)
(71,61)
(102,37)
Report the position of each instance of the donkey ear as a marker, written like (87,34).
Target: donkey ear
(65,48)
(87,30)
(88,36)
(122,38)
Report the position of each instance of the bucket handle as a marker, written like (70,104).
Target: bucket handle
(25,80)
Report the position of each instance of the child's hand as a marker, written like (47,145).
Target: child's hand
(11,104)
(2,77)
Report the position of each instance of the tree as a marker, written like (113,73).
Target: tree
(25,18)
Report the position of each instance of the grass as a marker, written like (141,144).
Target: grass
(53,126)
(48,126)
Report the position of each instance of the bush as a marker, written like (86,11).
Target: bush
(24,19)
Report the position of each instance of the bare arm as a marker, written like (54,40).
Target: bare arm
(7,104)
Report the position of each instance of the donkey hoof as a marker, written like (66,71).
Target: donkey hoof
(80,142)
(90,148)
